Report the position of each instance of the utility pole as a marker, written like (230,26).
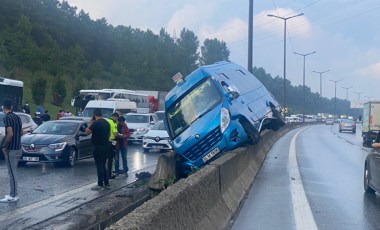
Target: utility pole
(285,19)
(358,95)
(250,36)
(347,88)
(320,84)
(335,81)
(303,91)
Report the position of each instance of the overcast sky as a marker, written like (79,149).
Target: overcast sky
(344,33)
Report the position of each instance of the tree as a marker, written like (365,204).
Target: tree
(58,90)
(39,90)
(187,52)
(213,51)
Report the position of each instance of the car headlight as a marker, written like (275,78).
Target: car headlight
(224,119)
(58,146)
(140,129)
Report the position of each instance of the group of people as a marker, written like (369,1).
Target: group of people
(109,137)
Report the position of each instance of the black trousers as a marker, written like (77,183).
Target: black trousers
(100,156)
(110,159)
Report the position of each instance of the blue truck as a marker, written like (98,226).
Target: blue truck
(217,108)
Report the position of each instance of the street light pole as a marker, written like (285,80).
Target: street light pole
(358,95)
(368,97)
(335,81)
(320,84)
(347,88)
(303,90)
(285,19)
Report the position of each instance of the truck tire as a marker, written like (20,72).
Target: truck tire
(252,133)
(278,120)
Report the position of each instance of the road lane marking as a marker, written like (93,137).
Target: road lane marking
(302,213)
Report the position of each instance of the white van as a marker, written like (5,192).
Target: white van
(109,107)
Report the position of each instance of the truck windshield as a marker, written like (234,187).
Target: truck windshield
(89,112)
(192,106)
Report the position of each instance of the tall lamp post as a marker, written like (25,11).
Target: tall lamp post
(320,77)
(347,88)
(368,97)
(285,19)
(358,93)
(303,90)
(335,81)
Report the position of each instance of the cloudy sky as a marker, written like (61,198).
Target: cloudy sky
(344,33)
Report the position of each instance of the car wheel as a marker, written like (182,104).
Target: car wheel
(367,187)
(354,131)
(145,150)
(72,158)
(340,130)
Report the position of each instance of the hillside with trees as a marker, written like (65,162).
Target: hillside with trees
(57,50)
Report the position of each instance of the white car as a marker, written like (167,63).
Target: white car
(139,124)
(157,138)
(28,125)
(160,115)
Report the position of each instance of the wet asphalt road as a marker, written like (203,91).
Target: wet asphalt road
(330,165)
(38,184)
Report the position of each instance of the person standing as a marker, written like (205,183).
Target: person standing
(26,108)
(40,109)
(45,117)
(121,147)
(112,143)
(11,148)
(100,130)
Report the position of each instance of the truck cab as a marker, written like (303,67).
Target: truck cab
(217,108)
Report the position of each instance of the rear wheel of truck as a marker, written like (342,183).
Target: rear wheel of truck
(278,120)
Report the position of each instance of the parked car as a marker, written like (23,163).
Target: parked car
(329,121)
(28,125)
(139,124)
(371,171)
(156,138)
(60,141)
(347,125)
(160,115)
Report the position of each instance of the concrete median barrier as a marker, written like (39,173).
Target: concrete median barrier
(209,198)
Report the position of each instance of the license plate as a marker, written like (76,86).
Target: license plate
(211,154)
(157,146)
(31,158)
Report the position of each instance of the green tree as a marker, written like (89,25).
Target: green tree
(213,51)
(39,90)
(58,90)
(187,52)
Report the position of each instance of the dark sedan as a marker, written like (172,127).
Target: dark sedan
(372,171)
(61,141)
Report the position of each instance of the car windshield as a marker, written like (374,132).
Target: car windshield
(56,128)
(159,126)
(193,105)
(88,112)
(136,118)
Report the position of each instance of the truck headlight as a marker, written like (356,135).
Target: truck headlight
(58,146)
(224,119)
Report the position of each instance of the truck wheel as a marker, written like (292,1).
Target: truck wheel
(279,120)
(252,133)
